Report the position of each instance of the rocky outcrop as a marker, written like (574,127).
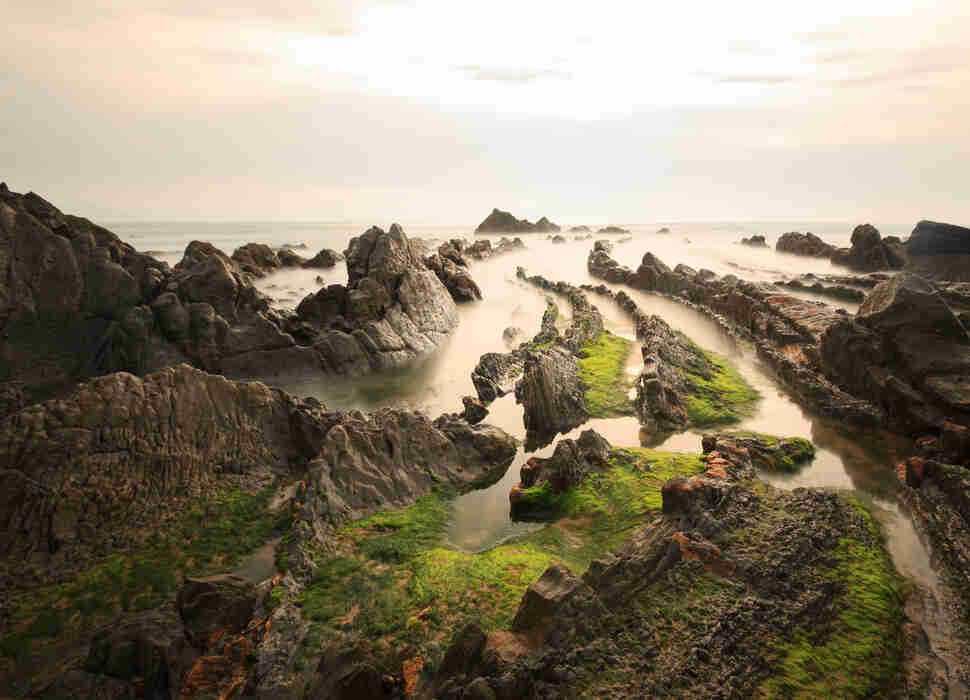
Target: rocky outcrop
(612,229)
(580,229)
(503,222)
(726,580)
(869,252)
(68,289)
(785,330)
(557,239)
(393,310)
(107,463)
(933,238)
(939,251)
(757,241)
(907,352)
(807,244)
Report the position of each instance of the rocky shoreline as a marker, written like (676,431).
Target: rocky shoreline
(171,532)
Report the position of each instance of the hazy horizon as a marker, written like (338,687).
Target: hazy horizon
(429,111)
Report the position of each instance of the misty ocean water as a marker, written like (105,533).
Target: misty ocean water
(846,458)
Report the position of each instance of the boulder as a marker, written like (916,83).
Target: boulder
(807,244)
(215,608)
(612,229)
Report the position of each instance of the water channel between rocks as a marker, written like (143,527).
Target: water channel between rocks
(845,457)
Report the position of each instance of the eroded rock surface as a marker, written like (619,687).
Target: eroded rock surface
(503,222)
(869,252)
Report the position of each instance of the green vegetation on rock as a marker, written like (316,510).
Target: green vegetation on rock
(602,367)
(721,398)
(208,538)
(393,579)
(857,654)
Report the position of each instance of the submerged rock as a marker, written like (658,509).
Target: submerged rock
(757,241)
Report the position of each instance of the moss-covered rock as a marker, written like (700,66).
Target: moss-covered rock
(602,367)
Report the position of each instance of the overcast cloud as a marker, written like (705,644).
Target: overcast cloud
(437,111)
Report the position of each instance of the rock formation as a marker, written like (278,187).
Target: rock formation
(907,352)
(393,310)
(503,222)
(326,258)
(612,229)
(939,251)
(807,244)
(757,241)
(869,252)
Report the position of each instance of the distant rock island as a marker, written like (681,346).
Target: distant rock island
(612,229)
(503,222)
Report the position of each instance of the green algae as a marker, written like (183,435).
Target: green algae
(858,653)
(602,368)
(210,537)
(721,397)
(393,578)
(785,455)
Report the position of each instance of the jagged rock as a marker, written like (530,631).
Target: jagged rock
(756,241)
(326,258)
(215,608)
(807,244)
(868,252)
(603,245)
(551,393)
(392,311)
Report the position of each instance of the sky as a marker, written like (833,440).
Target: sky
(435,111)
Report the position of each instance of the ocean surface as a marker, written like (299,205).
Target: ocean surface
(846,457)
